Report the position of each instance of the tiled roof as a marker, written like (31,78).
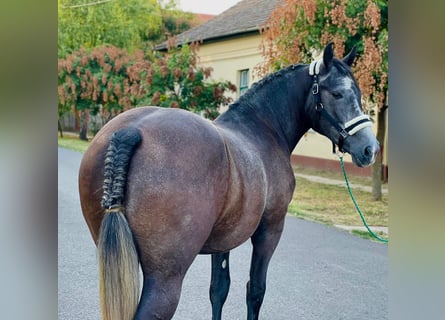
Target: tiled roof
(245,16)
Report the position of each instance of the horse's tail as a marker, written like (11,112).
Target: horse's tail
(118,258)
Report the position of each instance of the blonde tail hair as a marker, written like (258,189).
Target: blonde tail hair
(117,253)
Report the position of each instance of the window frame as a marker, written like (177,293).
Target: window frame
(243,79)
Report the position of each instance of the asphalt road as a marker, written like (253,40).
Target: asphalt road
(317,272)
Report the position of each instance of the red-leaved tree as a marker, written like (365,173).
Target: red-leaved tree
(109,80)
(106,79)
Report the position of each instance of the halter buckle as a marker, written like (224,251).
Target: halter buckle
(315,88)
(344,134)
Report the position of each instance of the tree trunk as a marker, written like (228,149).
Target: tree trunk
(83,133)
(377,178)
(59,125)
(76,119)
(377,167)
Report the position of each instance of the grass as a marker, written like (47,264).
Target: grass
(73,143)
(366,235)
(314,201)
(331,204)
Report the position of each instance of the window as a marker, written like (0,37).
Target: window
(243,81)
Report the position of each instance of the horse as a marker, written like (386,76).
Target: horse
(158,186)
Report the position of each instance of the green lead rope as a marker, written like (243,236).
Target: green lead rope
(356,205)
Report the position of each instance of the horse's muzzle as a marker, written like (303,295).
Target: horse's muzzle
(367,156)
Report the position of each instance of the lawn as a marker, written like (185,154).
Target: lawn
(331,205)
(73,143)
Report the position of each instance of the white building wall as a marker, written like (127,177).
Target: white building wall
(230,56)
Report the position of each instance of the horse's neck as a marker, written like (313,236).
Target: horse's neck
(276,104)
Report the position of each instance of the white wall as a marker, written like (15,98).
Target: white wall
(229,56)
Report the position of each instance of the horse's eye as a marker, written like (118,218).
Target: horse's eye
(337,95)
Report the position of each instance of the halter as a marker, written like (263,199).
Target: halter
(349,128)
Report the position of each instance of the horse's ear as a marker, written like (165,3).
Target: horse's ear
(349,59)
(328,56)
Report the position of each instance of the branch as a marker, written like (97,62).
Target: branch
(86,4)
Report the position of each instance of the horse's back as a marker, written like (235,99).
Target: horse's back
(178,168)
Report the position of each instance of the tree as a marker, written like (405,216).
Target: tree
(109,80)
(174,21)
(106,80)
(178,81)
(297,28)
(130,24)
(62,110)
(91,23)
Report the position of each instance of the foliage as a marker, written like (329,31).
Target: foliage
(107,76)
(122,23)
(178,82)
(298,27)
(174,21)
(130,24)
(110,80)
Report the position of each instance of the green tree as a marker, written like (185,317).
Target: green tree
(91,23)
(174,21)
(298,27)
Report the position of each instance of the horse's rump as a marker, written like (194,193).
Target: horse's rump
(176,184)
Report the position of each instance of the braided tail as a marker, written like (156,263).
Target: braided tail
(118,258)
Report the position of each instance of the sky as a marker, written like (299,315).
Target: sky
(206,6)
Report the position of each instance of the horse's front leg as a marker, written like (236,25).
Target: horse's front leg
(220,283)
(264,241)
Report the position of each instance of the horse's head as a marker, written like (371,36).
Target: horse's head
(335,109)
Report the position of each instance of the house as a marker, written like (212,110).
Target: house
(230,44)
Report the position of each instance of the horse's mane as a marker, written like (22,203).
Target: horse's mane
(247,97)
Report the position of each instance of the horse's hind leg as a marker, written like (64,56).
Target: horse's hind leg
(160,297)
(220,283)
(264,241)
